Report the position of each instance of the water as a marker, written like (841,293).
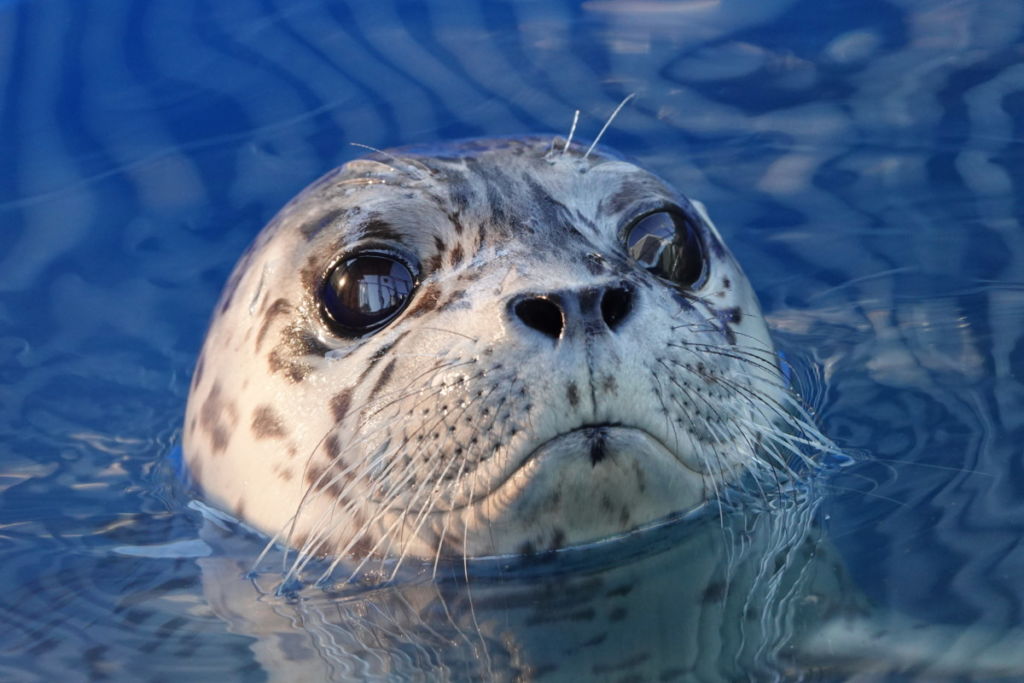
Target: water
(861,158)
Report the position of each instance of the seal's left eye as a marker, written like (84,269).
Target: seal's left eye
(667,244)
(363,293)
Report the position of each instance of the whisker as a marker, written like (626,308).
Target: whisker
(608,123)
(572,131)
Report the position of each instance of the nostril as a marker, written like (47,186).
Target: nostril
(541,314)
(616,305)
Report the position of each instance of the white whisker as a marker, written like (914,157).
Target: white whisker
(572,131)
(608,123)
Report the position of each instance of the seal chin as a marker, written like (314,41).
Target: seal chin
(589,484)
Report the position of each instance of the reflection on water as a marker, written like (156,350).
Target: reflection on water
(861,158)
(711,599)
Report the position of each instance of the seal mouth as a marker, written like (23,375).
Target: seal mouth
(571,453)
(596,436)
(591,482)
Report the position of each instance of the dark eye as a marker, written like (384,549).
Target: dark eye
(362,293)
(666,244)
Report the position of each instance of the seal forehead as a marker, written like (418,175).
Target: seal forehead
(477,194)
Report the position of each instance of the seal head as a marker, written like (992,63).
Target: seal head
(488,347)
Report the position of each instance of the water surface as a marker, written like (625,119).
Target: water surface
(862,159)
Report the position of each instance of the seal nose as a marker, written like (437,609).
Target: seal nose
(594,310)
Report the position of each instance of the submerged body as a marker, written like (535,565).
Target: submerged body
(685,603)
(483,348)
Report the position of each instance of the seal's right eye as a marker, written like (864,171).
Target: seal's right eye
(666,243)
(363,293)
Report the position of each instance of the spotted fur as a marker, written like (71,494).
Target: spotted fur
(462,428)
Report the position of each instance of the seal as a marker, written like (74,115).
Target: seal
(510,346)
(486,347)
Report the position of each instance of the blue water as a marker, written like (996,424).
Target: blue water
(862,158)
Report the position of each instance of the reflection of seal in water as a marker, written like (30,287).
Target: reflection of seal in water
(487,347)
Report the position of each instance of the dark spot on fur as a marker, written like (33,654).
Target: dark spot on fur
(457,255)
(219,439)
(314,474)
(340,404)
(628,194)
(362,547)
(460,194)
(331,446)
(295,343)
(572,393)
(594,263)
(266,423)
(293,370)
(481,235)
(435,263)
(470,274)
(306,344)
(457,224)
(210,419)
(527,548)
(426,302)
(385,375)
(379,229)
(279,307)
(321,480)
(555,216)
(453,298)
(312,228)
(377,355)
(731,316)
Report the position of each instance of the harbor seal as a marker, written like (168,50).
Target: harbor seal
(508,347)
(487,347)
